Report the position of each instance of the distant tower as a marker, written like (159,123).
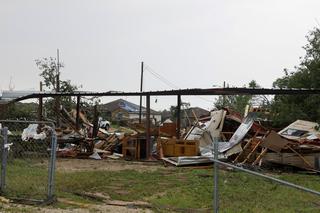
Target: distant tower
(11,84)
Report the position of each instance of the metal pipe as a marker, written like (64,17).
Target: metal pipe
(4,158)
(52,163)
(269,178)
(189,92)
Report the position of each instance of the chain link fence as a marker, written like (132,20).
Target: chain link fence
(28,161)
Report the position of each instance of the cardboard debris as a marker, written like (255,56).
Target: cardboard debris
(274,142)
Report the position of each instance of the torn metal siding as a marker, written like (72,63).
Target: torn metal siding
(239,134)
(209,130)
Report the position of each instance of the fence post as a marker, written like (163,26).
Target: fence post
(52,164)
(4,158)
(216,167)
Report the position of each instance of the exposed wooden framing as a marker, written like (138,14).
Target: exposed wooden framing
(252,151)
(300,156)
(246,146)
(264,151)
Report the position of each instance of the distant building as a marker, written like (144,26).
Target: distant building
(190,115)
(124,110)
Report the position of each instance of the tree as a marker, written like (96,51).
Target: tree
(49,72)
(20,111)
(239,102)
(306,75)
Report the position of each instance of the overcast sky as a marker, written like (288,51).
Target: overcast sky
(191,43)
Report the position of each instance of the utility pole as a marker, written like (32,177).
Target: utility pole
(141,84)
(58,88)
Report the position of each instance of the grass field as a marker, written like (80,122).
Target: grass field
(176,189)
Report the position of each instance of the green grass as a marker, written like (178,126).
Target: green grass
(27,179)
(181,188)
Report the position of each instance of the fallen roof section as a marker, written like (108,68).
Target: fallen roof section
(299,128)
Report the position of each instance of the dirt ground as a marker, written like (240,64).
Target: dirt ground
(115,206)
(71,165)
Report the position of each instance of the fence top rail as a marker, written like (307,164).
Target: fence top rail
(50,123)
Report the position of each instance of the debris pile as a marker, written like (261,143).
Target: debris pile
(241,140)
(245,141)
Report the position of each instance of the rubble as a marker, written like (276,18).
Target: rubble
(241,140)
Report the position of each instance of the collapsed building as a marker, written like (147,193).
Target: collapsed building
(241,140)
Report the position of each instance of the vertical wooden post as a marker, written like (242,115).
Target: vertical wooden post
(178,116)
(95,122)
(148,135)
(78,113)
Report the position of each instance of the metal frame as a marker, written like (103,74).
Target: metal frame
(52,159)
(197,91)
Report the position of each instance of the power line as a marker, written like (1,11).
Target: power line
(160,77)
(167,82)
